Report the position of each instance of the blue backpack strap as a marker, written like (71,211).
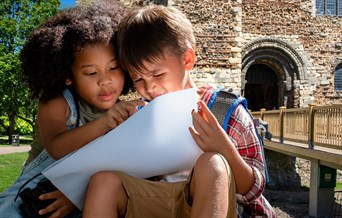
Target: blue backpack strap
(239,100)
(221,100)
(213,97)
(223,103)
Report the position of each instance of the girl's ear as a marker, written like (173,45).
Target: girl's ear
(68,82)
(189,59)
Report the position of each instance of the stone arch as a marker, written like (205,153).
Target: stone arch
(287,64)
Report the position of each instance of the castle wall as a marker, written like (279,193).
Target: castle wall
(317,38)
(225,30)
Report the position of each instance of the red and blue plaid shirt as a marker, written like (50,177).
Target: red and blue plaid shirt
(241,131)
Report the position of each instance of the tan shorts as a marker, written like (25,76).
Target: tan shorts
(162,199)
(155,199)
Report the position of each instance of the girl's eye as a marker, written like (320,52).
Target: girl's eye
(92,73)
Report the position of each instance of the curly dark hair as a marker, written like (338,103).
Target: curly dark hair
(49,52)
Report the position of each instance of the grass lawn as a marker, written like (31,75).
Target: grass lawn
(338,186)
(23,140)
(10,168)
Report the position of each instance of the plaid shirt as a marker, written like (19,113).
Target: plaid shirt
(241,131)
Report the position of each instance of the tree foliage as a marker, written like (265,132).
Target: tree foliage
(18,19)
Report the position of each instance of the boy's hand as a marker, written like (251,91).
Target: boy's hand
(60,207)
(121,111)
(207,132)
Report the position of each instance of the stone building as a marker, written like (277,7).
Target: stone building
(275,52)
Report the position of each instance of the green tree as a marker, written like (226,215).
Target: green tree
(18,19)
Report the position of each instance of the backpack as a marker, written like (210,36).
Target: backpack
(222,104)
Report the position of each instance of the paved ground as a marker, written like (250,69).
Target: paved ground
(13,149)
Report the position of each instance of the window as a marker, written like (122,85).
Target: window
(319,7)
(338,78)
(329,7)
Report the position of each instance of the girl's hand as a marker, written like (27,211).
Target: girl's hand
(207,132)
(121,111)
(60,207)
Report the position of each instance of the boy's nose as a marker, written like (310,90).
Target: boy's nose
(150,86)
(151,90)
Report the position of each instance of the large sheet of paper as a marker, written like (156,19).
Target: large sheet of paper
(154,141)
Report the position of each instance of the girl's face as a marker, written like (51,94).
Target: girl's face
(165,75)
(97,77)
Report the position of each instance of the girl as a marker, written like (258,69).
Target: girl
(69,63)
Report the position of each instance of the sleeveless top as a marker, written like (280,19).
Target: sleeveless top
(37,145)
(31,173)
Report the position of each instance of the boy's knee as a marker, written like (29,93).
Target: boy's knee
(211,172)
(103,178)
(212,164)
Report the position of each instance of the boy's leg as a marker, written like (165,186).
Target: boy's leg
(142,198)
(106,196)
(212,188)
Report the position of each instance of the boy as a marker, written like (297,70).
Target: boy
(156,46)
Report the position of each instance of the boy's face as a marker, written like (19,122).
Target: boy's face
(165,75)
(97,77)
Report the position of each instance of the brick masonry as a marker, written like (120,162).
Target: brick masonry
(303,49)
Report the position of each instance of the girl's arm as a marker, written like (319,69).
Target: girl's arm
(59,141)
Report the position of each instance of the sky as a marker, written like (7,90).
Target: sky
(67,3)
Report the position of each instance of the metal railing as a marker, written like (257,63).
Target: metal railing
(313,125)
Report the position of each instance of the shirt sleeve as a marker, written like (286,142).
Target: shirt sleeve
(241,131)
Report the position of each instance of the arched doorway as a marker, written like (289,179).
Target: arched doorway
(269,69)
(261,89)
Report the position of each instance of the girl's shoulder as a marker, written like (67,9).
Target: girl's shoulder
(56,105)
(55,102)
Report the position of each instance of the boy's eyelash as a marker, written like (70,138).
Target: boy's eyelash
(158,75)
